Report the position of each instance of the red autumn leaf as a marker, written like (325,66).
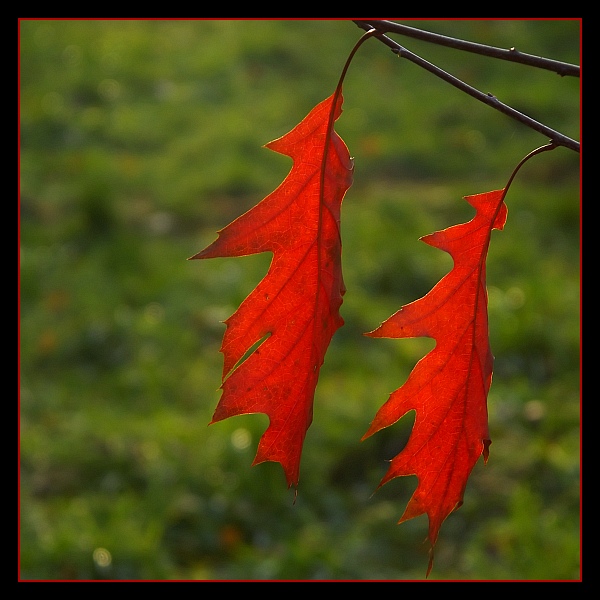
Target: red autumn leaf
(448,387)
(294,310)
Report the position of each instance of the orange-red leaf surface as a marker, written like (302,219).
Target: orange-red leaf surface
(295,308)
(448,387)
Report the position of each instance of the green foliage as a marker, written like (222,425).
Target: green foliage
(138,140)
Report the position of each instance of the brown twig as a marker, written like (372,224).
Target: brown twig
(512,54)
(557,138)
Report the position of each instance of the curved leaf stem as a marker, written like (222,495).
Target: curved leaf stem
(533,153)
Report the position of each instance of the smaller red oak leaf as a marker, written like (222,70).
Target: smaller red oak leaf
(294,310)
(448,387)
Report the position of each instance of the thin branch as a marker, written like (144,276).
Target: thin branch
(555,136)
(513,55)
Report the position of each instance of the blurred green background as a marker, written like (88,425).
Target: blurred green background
(139,140)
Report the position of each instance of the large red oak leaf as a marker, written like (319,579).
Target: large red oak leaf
(448,388)
(294,310)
